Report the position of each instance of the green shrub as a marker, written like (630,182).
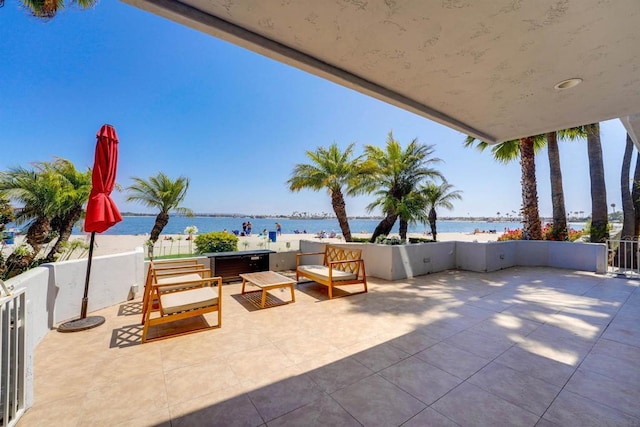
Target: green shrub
(393,240)
(420,240)
(216,241)
(360,239)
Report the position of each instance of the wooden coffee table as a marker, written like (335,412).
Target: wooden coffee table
(267,280)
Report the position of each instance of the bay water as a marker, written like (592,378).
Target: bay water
(136,225)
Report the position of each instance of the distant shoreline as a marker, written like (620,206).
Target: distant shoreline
(333,218)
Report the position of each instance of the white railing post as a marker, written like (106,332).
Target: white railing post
(624,257)
(12,356)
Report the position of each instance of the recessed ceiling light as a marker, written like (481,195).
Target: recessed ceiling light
(567,84)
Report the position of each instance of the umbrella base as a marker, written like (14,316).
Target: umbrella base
(81,324)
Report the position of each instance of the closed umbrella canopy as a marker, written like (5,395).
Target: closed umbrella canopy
(102,212)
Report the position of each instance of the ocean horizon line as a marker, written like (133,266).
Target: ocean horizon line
(318,217)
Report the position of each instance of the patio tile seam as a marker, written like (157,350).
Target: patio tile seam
(248,396)
(377,374)
(346,385)
(432,405)
(569,379)
(433,409)
(515,403)
(325,395)
(596,402)
(479,355)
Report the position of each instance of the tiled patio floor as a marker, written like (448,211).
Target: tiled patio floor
(524,346)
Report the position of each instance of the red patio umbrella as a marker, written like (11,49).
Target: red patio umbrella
(102,213)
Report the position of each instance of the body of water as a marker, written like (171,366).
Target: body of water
(134,225)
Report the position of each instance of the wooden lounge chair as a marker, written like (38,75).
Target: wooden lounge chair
(195,298)
(340,266)
(173,274)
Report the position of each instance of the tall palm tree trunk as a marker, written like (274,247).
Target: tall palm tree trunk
(635,196)
(404,226)
(161,221)
(532,229)
(340,209)
(66,228)
(37,235)
(599,208)
(628,211)
(557,193)
(384,227)
(624,252)
(432,223)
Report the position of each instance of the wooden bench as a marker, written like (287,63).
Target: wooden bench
(194,298)
(340,266)
(173,272)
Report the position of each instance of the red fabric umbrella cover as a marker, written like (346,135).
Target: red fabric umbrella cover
(102,212)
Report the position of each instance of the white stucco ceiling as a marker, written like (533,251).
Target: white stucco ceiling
(484,67)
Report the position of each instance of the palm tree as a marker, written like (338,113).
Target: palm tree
(599,209)
(75,187)
(439,196)
(163,193)
(7,213)
(557,193)
(628,211)
(53,194)
(623,252)
(333,170)
(393,175)
(47,9)
(635,195)
(525,148)
(38,193)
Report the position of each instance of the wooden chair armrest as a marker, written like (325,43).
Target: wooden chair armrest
(179,267)
(207,272)
(201,283)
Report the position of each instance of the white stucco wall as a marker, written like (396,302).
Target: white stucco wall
(407,261)
(578,256)
(500,255)
(111,279)
(281,261)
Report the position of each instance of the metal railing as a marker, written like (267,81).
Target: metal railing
(623,257)
(12,356)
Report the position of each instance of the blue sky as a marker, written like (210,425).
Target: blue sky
(234,122)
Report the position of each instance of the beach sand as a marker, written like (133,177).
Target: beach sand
(176,243)
(111,244)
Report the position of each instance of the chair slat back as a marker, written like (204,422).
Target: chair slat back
(338,253)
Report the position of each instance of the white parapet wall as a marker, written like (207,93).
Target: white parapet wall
(54,291)
(54,294)
(395,262)
(111,280)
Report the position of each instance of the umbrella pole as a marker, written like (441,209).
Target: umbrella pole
(84,322)
(85,298)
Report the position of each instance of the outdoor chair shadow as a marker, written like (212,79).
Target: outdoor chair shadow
(319,292)
(130,309)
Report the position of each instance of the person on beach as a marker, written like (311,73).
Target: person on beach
(244,229)
(249,226)
(278,229)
